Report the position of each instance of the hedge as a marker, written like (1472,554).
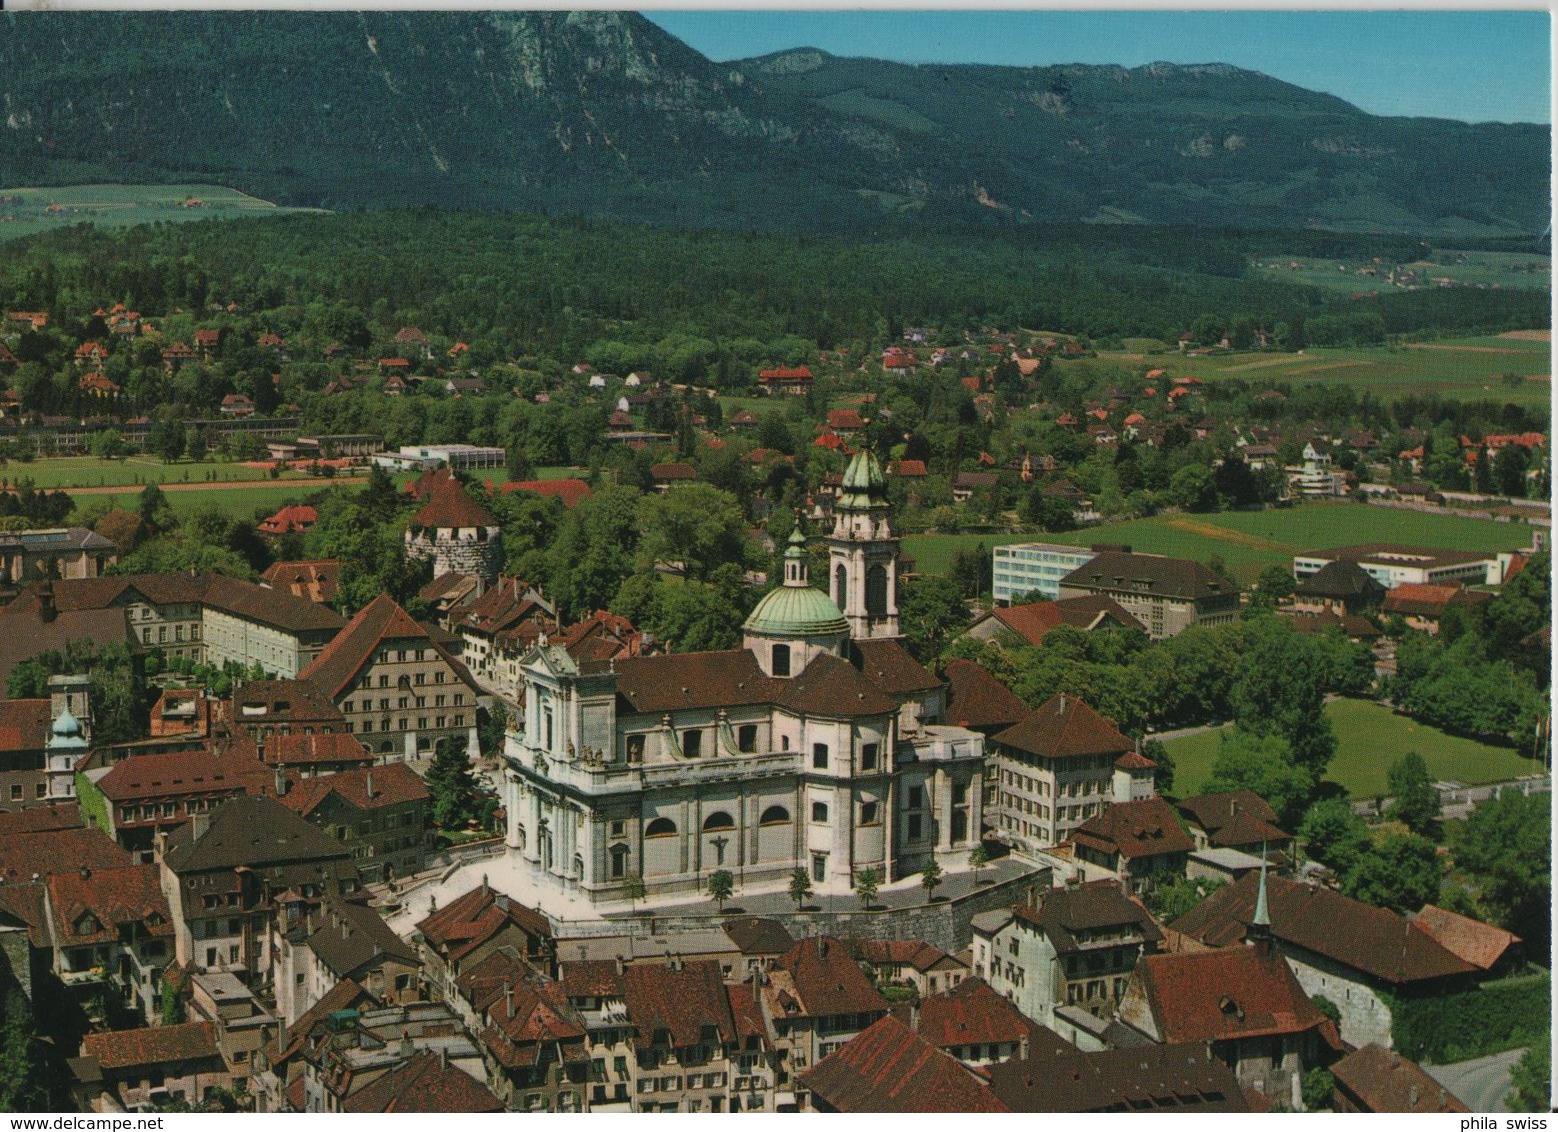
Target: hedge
(1490,1018)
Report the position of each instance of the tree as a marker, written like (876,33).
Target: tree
(109,445)
(491,727)
(1171,900)
(1532,1078)
(930,878)
(1193,488)
(932,612)
(722,886)
(1505,845)
(978,858)
(1282,692)
(1265,765)
(1415,801)
(1333,834)
(1327,1007)
(1400,871)
(172,1007)
(800,887)
(866,886)
(194,443)
(155,510)
(1318,1087)
(634,889)
(23,1073)
(1163,772)
(696,525)
(451,784)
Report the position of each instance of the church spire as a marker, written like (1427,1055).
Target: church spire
(863,551)
(1260,924)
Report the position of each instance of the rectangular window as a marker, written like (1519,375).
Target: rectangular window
(868,754)
(819,867)
(692,744)
(916,797)
(868,813)
(746,738)
(819,756)
(914,827)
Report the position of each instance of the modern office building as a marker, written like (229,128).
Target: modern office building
(1034,568)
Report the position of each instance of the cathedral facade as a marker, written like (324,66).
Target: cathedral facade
(817,745)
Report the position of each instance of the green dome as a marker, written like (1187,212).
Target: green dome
(66,733)
(796,611)
(864,473)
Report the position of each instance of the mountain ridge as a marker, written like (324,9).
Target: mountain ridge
(606,114)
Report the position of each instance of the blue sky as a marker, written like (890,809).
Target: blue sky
(1476,66)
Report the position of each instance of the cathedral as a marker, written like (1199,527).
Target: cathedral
(819,744)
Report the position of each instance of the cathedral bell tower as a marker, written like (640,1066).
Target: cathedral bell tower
(863,552)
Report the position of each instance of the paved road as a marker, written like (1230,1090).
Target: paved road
(1481,1083)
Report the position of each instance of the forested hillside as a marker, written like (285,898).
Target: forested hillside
(606,115)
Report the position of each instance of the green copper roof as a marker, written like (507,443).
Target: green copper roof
(66,733)
(796,611)
(864,473)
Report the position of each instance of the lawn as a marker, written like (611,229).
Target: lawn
(1249,541)
(27,210)
(243,501)
(1370,738)
(1468,368)
(134,471)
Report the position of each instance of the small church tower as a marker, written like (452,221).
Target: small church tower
(863,552)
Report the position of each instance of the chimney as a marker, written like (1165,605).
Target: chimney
(1062,703)
(508,999)
(406,1048)
(281,781)
(443,1056)
(1412,1097)
(368,784)
(822,948)
(1022,1047)
(621,966)
(86,873)
(46,610)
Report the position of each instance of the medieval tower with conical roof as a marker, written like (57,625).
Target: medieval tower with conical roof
(863,552)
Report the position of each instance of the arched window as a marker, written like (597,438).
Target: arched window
(819,811)
(619,860)
(841,587)
(781,660)
(660,827)
(876,591)
(774,815)
(717,821)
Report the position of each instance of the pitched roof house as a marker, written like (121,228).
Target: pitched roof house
(890,1068)
(1036,620)
(1341,948)
(1138,1079)
(1375,1079)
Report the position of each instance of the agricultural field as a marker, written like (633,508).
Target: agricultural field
(25,212)
(1249,541)
(1369,738)
(1470,368)
(1524,270)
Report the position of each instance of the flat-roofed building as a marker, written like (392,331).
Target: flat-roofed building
(1034,568)
(1391,565)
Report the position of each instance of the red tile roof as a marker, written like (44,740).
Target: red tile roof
(1482,945)
(351,650)
(1036,620)
(41,819)
(91,906)
(179,774)
(570,491)
(802,373)
(910,468)
(845,419)
(424,1084)
(465,924)
(315,580)
(393,784)
(1375,941)
(1145,828)
(449,506)
(1232,993)
(24,724)
(674,1004)
(825,980)
(978,700)
(288,519)
(1063,727)
(672,472)
(972,1013)
(890,1068)
(150,1047)
(1381,1080)
(1132,1079)
(47,852)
